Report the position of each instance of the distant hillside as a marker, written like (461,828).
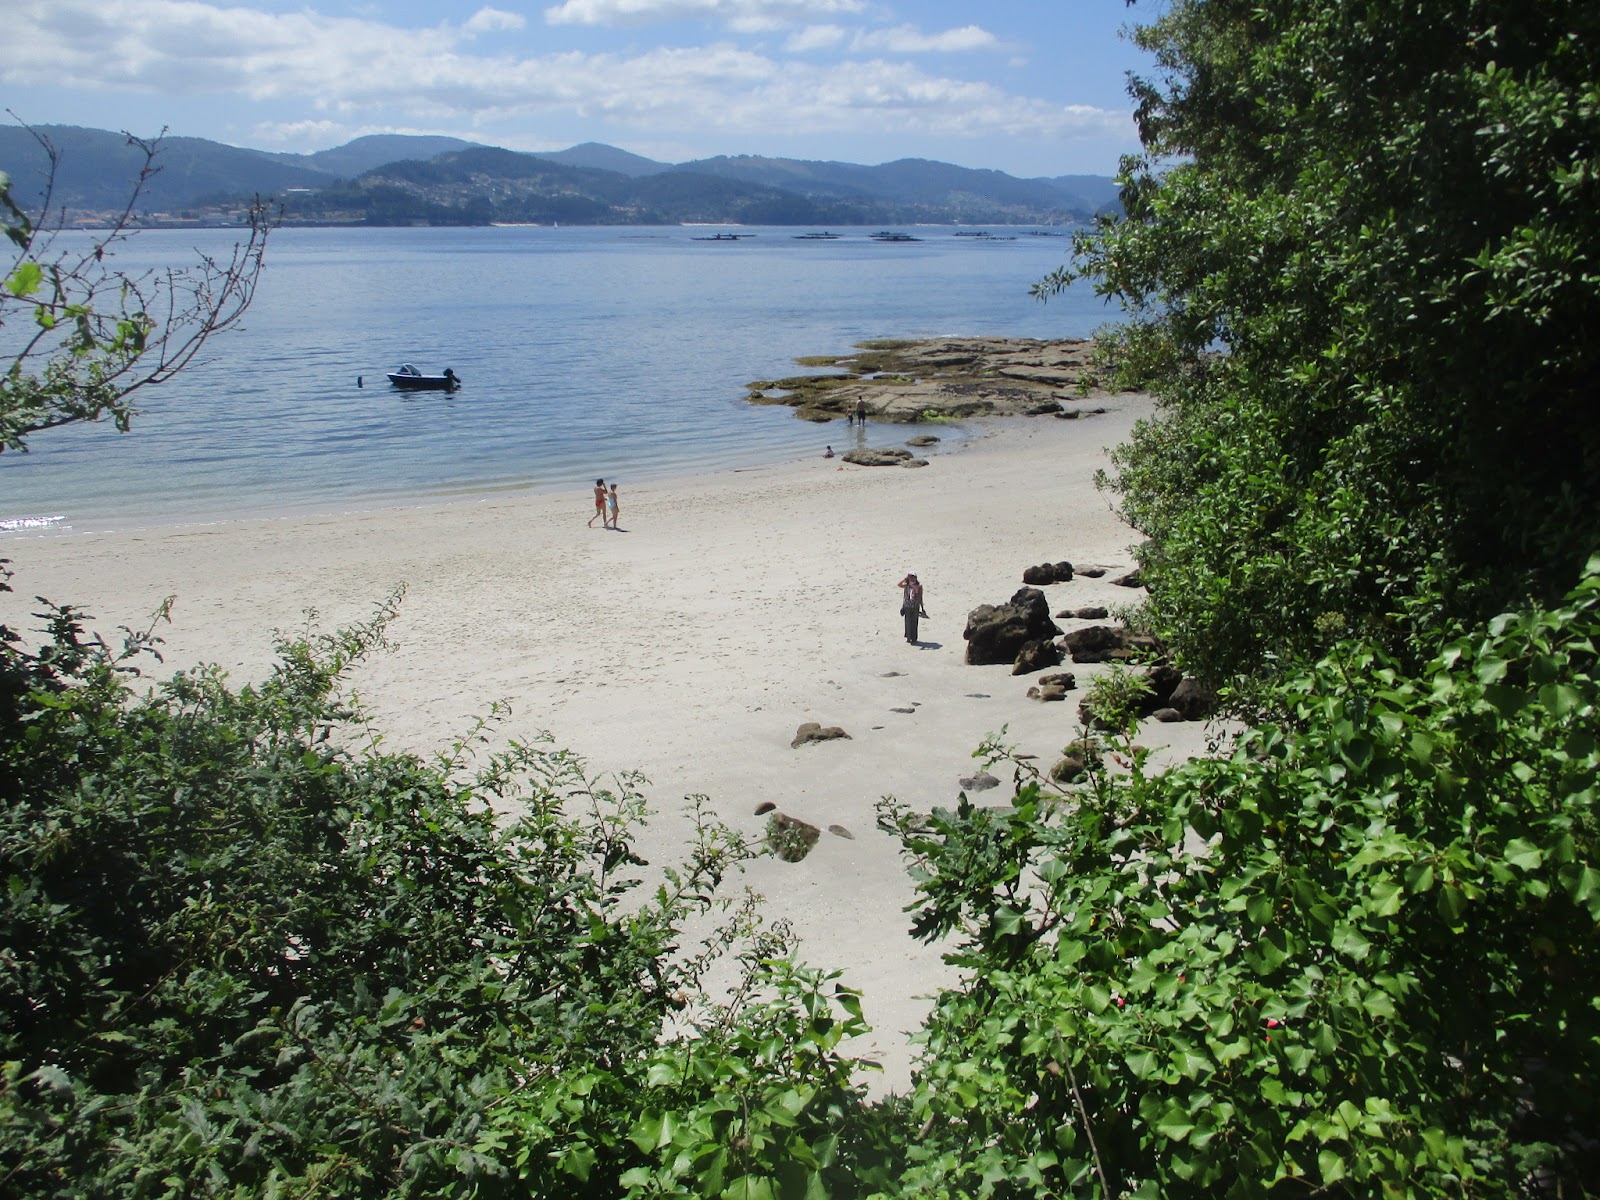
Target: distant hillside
(97,171)
(934,191)
(374,150)
(401,179)
(606,158)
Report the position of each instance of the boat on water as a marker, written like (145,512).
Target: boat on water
(721,237)
(816,237)
(409,379)
(886,236)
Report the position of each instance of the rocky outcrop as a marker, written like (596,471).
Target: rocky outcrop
(996,633)
(943,378)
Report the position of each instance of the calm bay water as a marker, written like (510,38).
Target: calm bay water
(621,352)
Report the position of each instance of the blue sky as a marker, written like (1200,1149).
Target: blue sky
(1033,89)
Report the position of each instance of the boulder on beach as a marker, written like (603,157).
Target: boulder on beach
(811,731)
(790,838)
(1046,573)
(996,633)
(1193,700)
(1036,656)
(1096,643)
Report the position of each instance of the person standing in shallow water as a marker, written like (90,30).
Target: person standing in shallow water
(911,604)
(599,503)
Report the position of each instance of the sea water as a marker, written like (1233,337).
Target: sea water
(621,352)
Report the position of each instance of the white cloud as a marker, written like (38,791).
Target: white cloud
(814,37)
(741,14)
(903,39)
(318,71)
(492,20)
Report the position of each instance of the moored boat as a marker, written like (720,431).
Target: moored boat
(409,379)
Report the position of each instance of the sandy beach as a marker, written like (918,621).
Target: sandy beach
(690,645)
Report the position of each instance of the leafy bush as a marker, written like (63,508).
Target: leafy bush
(1112,700)
(247,952)
(1355,958)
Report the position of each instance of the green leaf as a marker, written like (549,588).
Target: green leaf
(25,280)
(1523,854)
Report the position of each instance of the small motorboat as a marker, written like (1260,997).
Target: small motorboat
(409,379)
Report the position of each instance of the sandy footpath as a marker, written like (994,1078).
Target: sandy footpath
(689,646)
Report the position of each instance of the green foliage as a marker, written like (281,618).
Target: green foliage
(248,952)
(1357,957)
(1361,257)
(83,337)
(1113,700)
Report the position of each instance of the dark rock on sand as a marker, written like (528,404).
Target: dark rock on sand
(790,838)
(1096,643)
(1193,699)
(996,633)
(1036,656)
(811,731)
(980,782)
(1045,573)
(1065,680)
(1047,692)
(1162,681)
(1133,579)
(1167,715)
(1092,612)
(1092,572)
(923,439)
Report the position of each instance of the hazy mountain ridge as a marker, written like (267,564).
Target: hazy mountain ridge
(406,179)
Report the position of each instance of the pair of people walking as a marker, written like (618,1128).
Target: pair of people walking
(605,505)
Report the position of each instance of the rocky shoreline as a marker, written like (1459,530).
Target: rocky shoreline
(941,379)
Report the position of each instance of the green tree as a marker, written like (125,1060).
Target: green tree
(82,337)
(1356,957)
(1361,254)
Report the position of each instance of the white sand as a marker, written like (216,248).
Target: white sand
(690,646)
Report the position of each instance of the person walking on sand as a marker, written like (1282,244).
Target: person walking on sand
(911,604)
(611,508)
(599,503)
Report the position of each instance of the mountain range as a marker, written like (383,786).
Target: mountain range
(394,179)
